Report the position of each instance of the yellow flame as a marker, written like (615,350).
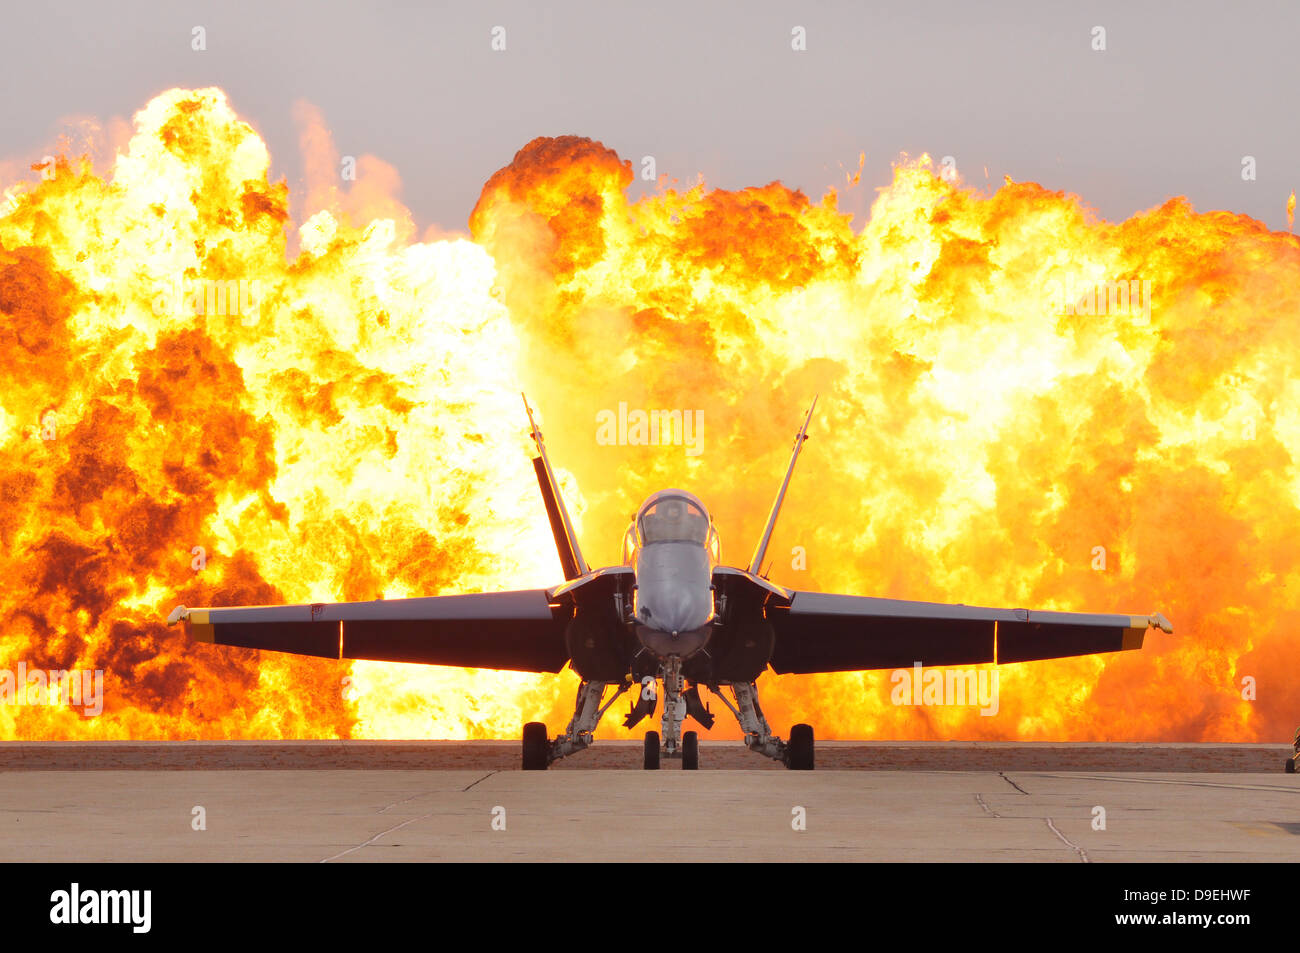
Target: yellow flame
(995,428)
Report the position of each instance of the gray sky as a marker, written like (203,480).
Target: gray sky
(1182,92)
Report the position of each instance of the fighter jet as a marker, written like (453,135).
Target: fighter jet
(667,622)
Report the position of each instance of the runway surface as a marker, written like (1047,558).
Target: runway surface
(308,808)
(722,755)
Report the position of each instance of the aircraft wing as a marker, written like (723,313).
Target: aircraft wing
(819,632)
(519,631)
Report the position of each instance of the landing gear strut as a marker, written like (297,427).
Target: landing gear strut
(670,741)
(797,754)
(674,706)
(539,753)
(677,704)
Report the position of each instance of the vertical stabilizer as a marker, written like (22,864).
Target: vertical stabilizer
(757,562)
(566,542)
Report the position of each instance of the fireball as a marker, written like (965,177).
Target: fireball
(209,400)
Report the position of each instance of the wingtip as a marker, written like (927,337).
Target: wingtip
(1158,621)
(178,614)
(802,435)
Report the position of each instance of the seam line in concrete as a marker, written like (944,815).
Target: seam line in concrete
(388,807)
(1199,784)
(1083,854)
(397,827)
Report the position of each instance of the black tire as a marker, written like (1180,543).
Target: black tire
(690,751)
(799,751)
(652,751)
(1290,766)
(537,747)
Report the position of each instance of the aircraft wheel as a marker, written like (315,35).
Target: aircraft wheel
(690,751)
(799,751)
(1290,766)
(652,751)
(537,748)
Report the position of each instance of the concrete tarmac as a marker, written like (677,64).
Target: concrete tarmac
(722,755)
(342,815)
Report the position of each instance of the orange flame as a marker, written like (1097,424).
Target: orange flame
(1023,405)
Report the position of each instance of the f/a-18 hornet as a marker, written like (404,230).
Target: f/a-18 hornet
(671,615)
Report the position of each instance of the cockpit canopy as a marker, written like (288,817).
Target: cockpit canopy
(671,516)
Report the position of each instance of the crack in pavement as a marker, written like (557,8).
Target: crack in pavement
(484,778)
(398,827)
(1012,783)
(387,808)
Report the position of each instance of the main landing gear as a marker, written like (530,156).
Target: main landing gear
(652,751)
(799,750)
(796,754)
(587,711)
(537,747)
(670,741)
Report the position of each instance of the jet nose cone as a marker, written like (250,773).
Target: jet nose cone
(673,587)
(677,609)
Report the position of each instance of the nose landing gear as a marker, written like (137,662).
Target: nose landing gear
(797,754)
(676,708)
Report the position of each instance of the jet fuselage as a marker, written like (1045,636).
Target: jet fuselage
(672,547)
